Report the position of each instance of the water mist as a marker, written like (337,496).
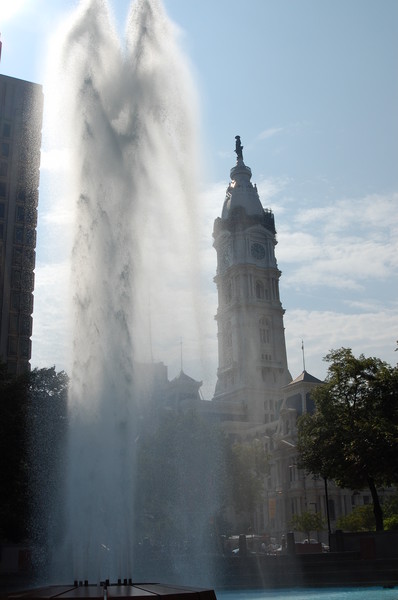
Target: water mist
(130,116)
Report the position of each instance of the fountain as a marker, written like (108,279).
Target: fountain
(131,118)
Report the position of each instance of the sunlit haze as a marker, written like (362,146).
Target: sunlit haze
(312,89)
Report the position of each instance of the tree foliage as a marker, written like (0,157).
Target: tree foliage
(32,422)
(307,522)
(189,473)
(247,465)
(46,435)
(13,456)
(353,435)
(180,480)
(361,519)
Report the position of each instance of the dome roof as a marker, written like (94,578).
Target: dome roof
(241,193)
(306,378)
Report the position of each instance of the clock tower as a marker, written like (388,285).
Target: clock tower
(252,363)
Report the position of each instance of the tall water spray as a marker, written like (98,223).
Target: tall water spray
(131,118)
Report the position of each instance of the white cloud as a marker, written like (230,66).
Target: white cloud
(344,246)
(372,333)
(267,133)
(11,10)
(270,187)
(373,211)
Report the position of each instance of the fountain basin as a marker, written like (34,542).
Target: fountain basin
(136,591)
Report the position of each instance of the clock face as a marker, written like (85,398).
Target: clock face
(257,251)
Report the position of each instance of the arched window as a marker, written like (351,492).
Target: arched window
(264,328)
(260,293)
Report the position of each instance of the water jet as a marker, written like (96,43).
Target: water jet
(128,119)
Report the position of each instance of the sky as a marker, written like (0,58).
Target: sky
(311,86)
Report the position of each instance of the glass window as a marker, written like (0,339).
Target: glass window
(12,346)
(2,210)
(264,331)
(260,290)
(15,300)
(24,348)
(13,326)
(20,213)
(18,235)
(17,256)
(6,129)
(3,189)
(16,279)
(3,169)
(5,149)
(26,325)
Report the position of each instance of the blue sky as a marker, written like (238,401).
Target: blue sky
(311,86)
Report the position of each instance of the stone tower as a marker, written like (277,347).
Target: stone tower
(252,363)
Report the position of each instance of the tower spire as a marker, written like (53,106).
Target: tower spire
(302,349)
(252,362)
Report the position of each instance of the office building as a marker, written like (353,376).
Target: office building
(21,107)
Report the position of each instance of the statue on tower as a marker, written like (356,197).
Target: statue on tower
(238,148)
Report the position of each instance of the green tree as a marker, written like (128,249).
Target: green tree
(181,478)
(32,426)
(307,522)
(14,469)
(46,419)
(361,519)
(352,437)
(390,509)
(247,465)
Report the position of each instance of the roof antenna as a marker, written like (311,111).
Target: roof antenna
(181,353)
(302,349)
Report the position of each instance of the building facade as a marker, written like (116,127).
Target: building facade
(251,341)
(21,107)
(255,398)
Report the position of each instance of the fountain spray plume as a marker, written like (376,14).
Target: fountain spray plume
(131,121)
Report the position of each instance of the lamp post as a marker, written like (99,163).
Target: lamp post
(325,480)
